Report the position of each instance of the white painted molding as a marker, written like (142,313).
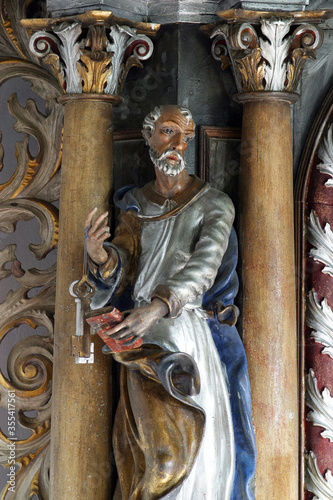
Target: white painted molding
(121,37)
(322,487)
(319,317)
(67,50)
(275,50)
(325,153)
(321,405)
(70,53)
(322,240)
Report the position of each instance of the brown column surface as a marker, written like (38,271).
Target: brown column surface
(81,400)
(267,242)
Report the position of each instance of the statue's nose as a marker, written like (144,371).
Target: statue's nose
(178,142)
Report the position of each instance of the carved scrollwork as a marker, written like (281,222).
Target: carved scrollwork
(13,37)
(92,64)
(34,174)
(319,317)
(270,58)
(32,477)
(131,49)
(29,194)
(220,51)
(243,47)
(26,209)
(306,39)
(62,52)
(322,487)
(322,240)
(321,405)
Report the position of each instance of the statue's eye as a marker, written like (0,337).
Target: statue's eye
(167,130)
(187,138)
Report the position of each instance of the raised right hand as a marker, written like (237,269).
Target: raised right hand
(98,232)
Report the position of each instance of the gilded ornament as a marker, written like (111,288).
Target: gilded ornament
(94,73)
(34,186)
(97,63)
(270,57)
(251,69)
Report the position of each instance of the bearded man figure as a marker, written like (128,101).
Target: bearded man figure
(179,434)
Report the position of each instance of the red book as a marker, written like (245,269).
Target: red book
(102,320)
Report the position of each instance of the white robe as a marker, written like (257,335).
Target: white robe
(182,253)
(166,248)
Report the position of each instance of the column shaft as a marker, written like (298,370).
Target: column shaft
(81,400)
(267,240)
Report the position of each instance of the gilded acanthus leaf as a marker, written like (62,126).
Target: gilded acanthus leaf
(94,73)
(295,67)
(282,53)
(130,63)
(251,68)
(54,61)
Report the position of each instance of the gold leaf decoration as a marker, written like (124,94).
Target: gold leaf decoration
(29,194)
(14,40)
(32,173)
(94,72)
(295,67)
(130,63)
(251,69)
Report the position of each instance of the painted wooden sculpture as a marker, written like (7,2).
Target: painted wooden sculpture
(178,434)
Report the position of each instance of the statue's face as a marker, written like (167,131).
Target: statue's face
(169,140)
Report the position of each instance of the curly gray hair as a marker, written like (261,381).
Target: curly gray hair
(150,121)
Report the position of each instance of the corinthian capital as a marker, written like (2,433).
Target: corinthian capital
(268,54)
(92,57)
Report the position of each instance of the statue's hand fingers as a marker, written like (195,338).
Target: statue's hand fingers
(89,217)
(124,333)
(131,340)
(103,233)
(99,223)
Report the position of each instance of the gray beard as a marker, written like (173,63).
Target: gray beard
(161,163)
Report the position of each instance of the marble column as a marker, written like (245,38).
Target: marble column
(267,55)
(91,55)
